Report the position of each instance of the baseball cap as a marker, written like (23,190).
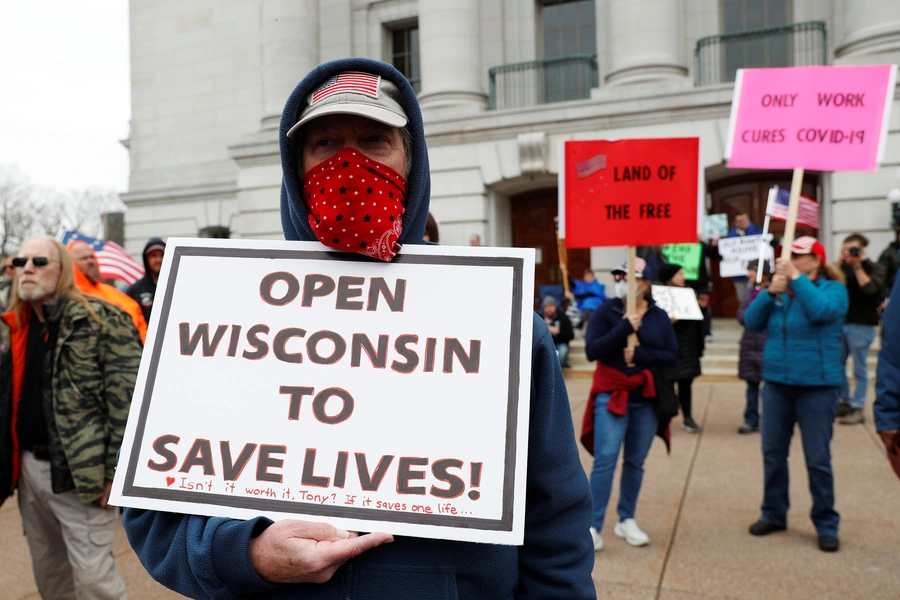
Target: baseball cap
(808,245)
(354,93)
(639,265)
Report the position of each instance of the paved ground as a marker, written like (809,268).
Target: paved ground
(696,505)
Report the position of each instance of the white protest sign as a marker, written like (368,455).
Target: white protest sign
(738,251)
(287,380)
(715,225)
(678,302)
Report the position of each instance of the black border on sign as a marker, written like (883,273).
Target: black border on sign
(504,523)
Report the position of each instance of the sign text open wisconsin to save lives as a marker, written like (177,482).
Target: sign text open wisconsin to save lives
(284,380)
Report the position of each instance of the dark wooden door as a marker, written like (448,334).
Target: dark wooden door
(534,226)
(749,194)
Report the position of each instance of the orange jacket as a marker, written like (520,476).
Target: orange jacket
(18,348)
(110,294)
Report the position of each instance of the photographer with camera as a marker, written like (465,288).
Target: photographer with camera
(865,288)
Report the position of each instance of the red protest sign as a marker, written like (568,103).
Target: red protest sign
(641,192)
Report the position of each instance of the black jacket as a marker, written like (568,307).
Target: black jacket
(689,335)
(566,333)
(864,300)
(143,291)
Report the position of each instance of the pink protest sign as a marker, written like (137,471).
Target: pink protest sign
(817,118)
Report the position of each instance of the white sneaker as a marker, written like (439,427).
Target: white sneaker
(629,530)
(598,540)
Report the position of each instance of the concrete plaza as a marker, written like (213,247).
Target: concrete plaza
(696,505)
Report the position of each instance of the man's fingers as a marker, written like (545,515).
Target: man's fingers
(343,550)
(319,531)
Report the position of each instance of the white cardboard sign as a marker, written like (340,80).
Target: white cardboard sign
(287,380)
(738,251)
(680,303)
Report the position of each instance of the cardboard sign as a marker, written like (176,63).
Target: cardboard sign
(738,251)
(641,192)
(680,303)
(820,118)
(286,380)
(715,225)
(687,256)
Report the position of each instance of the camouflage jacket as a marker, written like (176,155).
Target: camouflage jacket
(92,368)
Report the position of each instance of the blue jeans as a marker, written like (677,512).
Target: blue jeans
(751,413)
(855,343)
(562,350)
(814,409)
(636,429)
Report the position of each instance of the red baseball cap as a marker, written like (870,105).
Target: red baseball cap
(808,245)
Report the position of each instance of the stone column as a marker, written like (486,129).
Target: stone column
(646,40)
(450,54)
(870,27)
(290,49)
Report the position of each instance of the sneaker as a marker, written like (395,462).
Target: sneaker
(629,530)
(853,417)
(765,528)
(690,425)
(745,428)
(829,543)
(598,540)
(843,409)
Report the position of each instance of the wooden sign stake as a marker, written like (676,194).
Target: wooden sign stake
(563,262)
(794,206)
(631,301)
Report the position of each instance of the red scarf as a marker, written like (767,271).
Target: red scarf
(355,204)
(618,384)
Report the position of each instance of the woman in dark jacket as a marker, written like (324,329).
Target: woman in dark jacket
(751,353)
(620,407)
(690,348)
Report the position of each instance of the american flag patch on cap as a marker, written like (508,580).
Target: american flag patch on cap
(352,82)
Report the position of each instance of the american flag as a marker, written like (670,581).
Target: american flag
(114,261)
(359,83)
(591,165)
(807,214)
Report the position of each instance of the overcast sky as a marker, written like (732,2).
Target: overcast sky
(65,91)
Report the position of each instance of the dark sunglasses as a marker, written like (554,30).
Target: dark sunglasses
(38,261)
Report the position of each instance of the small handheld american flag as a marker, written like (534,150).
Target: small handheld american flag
(114,261)
(807,213)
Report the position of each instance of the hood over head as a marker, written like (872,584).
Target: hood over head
(294,214)
(150,245)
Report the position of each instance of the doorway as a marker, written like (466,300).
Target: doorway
(748,194)
(534,226)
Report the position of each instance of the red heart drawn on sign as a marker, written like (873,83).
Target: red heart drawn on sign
(170,480)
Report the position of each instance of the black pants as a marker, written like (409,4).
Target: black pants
(684,396)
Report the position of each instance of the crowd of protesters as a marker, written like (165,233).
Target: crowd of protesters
(802,323)
(72,346)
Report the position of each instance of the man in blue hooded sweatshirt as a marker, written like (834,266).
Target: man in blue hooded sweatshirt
(362,116)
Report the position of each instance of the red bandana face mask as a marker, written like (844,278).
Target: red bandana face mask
(356,204)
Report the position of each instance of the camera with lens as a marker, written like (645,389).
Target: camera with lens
(854,251)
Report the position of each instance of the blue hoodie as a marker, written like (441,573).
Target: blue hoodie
(205,557)
(887,383)
(803,332)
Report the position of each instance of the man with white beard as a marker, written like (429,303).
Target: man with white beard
(65,391)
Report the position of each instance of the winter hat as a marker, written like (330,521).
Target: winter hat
(667,272)
(548,301)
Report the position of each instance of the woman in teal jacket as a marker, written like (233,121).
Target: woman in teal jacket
(802,313)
